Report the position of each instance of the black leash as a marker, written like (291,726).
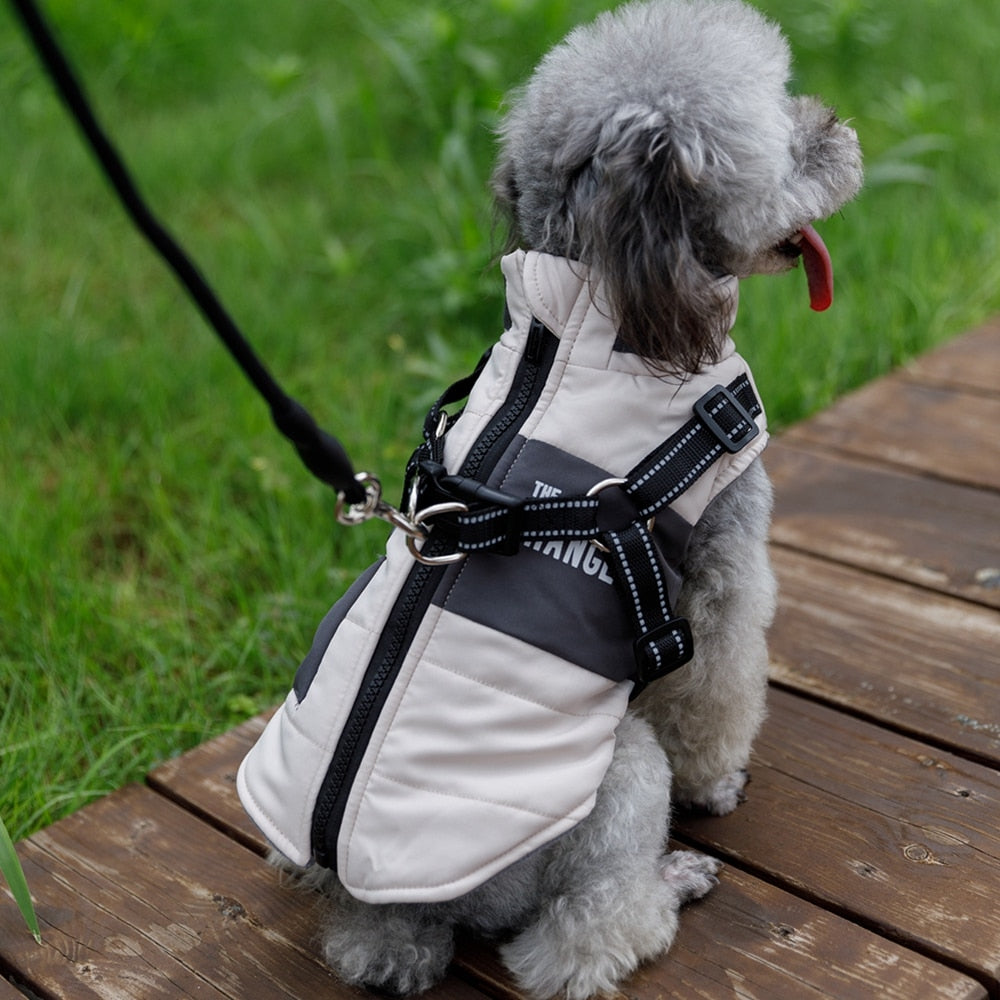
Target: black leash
(321,453)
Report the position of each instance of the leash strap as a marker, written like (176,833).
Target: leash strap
(321,453)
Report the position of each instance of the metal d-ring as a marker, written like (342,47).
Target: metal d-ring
(599,487)
(419,520)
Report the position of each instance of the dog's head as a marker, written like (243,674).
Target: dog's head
(659,145)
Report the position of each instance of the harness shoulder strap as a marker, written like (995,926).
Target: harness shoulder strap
(723,423)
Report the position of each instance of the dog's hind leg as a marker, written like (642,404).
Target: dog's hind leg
(609,893)
(708,713)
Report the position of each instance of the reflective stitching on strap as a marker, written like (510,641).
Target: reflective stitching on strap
(700,437)
(666,459)
(629,580)
(663,642)
(694,473)
(482,518)
(526,533)
(661,592)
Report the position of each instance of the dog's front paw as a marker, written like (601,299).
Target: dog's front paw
(691,875)
(722,797)
(545,961)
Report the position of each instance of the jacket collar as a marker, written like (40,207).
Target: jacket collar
(565,296)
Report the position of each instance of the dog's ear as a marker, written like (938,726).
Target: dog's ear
(505,199)
(634,206)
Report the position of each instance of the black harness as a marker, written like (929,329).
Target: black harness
(470,517)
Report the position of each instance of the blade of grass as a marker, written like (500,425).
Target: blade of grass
(10,867)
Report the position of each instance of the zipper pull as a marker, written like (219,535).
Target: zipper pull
(536,340)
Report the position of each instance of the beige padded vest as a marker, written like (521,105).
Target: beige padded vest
(498,724)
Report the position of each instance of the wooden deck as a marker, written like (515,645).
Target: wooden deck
(866,862)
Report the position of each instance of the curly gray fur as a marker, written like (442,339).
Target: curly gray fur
(659,146)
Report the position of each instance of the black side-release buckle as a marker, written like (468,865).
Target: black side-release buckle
(727,418)
(663,650)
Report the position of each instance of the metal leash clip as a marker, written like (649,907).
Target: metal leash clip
(374,506)
(412,525)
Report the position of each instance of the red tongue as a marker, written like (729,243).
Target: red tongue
(819,269)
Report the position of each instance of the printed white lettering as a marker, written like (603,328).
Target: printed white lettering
(554,549)
(544,490)
(576,554)
(594,563)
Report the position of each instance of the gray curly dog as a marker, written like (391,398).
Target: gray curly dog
(658,146)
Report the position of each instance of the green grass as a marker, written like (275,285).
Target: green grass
(163,557)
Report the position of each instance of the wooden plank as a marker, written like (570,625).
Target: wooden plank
(138,898)
(924,531)
(971,361)
(739,934)
(875,826)
(8,992)
(749,939)
(204,781)
(920,662)
(937,430)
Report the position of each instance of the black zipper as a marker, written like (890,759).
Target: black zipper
(414,599)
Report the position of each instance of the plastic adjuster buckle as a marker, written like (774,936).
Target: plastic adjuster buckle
(663,650)
(505,511)
(709,410)
(510,519)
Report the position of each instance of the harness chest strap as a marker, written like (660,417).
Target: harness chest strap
(723,423)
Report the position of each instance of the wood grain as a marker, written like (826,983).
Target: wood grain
(932,429)
(753,940)
(971,361)
(750,939)
(924,531)
(874,826)
(918,661)
(139,899)
(204,782)
(8,992)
